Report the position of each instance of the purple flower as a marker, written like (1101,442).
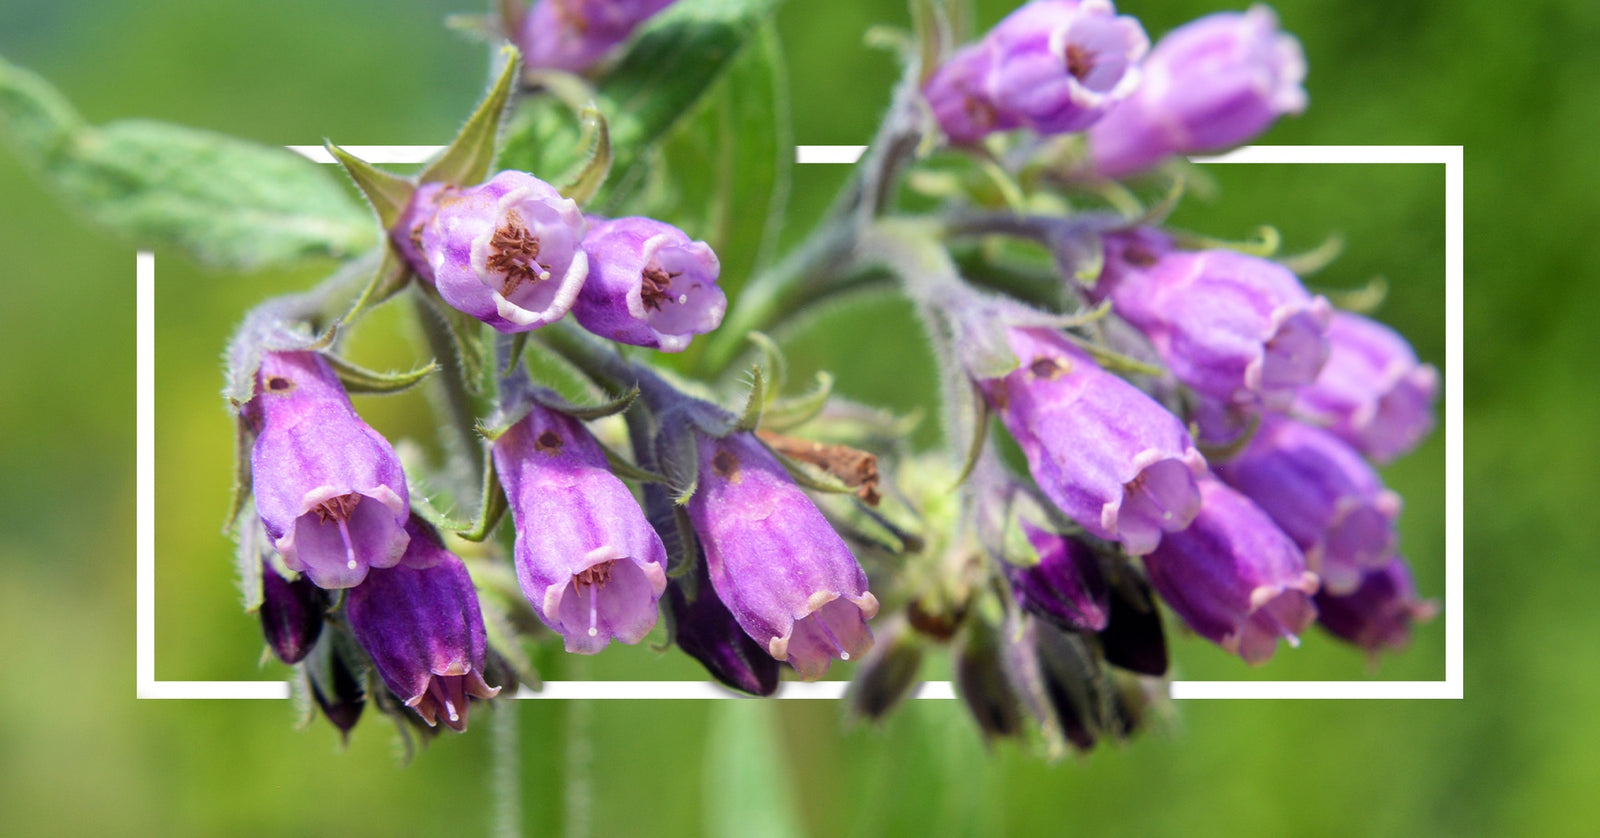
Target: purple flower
(1059,65)
(1372,393)
(589,562)
(407,233)
(1378,614)
(1211,84)
(291,614)
(420,622)
(329,488)
(573,35)
(506,252)
(1233,327)
(788,578)
(958,95)
(706,630)
(1106,454)
(1234,577)
(1066,587)
(649,285)
(1322,494)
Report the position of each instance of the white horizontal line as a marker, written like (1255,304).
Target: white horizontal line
(1337,154)
(214,689)
(828,153)
(371,153)
(1188,690)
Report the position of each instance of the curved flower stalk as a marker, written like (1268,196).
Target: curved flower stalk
(588,561)
(1101,450)
(1234,577)
(421,623)
(649,284)
(329,489)
(1209,85)
(1373,392)
(777,564)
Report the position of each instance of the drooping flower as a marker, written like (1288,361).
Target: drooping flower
(1066,587)
(1101,450)
(1234,577)
(1373,392)
(706,630)
(648,284)
(291,614)
(1060,65)
(783,572)
(507,252)
(573,35)
(1322,494)
(1210,84)
(329,489)
(1379,613)
(1233,327)
(420,622)
(590,564)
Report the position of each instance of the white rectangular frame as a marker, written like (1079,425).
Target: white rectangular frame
(1451,157)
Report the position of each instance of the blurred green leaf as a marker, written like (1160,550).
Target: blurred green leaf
(746,784)
(227,202)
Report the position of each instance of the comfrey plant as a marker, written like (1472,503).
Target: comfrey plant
(1143,427)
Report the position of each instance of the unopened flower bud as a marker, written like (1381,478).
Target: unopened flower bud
(888,673)
(1066,587)
(1378,614)
(649,285)
(291,614)
(706,630)
(1133,638)
(1373,392)
(1060,65)
(958,95)
(573,35)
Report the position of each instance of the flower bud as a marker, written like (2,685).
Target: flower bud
(1075,684)
(783,572)
(589,562)
(1101,450)
(328,488)
(888,672)
(648,284)
(983,684)
(1378,614)
(573,35)
(1372,393)
(420,622)
(1233,327)
(291,614)
(958,95)
(1060,65)
(507,252)
(1066,587)
(1323,495)
(1210,84)
(704,629)
(1234,577)
(336,672)
(1133,638)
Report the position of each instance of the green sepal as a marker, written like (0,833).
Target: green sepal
(682,556)
(519,342)
(1086,251)
(597,164)
(358,379)
(980,435)
(1112,360)
(586,413)
(678,454)
(931,29)
(465,334)
(1014,543)
(1363,300)
(389,194)
(1311,261)
(776,362)
(1157,213)
(251,548)
(391,276)
(623,468)
(1265,244)
(243,442)
(492,503)
(467,159)
(1224,451)
(755,403)
(785,413)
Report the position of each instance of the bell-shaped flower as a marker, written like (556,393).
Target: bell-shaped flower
(329,489)
(649,284)
(421,624)
(706,630)
(1373,392)
(1379,613)
(589,563)
(1105,453)
(1060,65)
(573,35)
(783,572)
(507,252)
(1321,493)
(1233,327)
(1234,577)
(1209,85)
(958,95)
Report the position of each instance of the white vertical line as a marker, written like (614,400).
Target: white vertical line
(1454,472)
(145,470)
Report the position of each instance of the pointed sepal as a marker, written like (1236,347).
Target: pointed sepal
(792,411)
(755,402)
(388,193)
(466,160)
(492,502)
(597,163)
(358,379)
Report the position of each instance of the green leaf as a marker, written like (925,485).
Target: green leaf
(227,202)
(466,160)
(746,776)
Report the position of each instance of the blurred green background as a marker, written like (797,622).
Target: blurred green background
(1515,84)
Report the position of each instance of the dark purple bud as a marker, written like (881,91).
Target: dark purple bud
(1321,493)
(1075,684)
(1133,638)
(337,673)
(1378,614)
(1373,392)
(590,564)
(706,630)
(329,489)
(507,252)
(648,284)
(1101,450)
(1208,85)
(788,578)
(888,672)
(573,35)
(291,614)
(983,683)
(420,622)
(1234,577)
(1060,65)
(1066,587)
(1231,326)
(958,95)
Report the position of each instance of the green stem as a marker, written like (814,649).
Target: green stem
(505,757)
(452,400)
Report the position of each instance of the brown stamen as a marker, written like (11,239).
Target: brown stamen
(1079,61)
(655,284)
(514,251)
(595,575)
(336,509)
(855,468)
